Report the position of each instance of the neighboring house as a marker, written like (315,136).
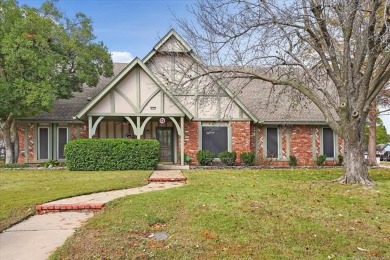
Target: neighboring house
(153,98)
(2,148)
(383,151)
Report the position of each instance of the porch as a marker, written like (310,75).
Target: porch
(169,131)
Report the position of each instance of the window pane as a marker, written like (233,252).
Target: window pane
(272,142)
(43,143)
(62,140)
(328,142)
(214,139)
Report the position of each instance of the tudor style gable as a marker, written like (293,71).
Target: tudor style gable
(173,61)
(136,95)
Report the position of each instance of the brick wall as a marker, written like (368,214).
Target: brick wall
(301,146)
(26,156)
(76,131)
(191,137)
(241,137)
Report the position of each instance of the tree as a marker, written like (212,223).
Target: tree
(381,133)
(382,99)
(375,124)
(335,52)
(381,136)
(43,56)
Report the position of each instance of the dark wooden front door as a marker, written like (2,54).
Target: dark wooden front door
(165,137)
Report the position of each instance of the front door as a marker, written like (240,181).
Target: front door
(165,137)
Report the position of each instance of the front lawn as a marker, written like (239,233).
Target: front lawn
(21,190)
(244,214)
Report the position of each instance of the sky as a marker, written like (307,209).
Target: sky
(131,28)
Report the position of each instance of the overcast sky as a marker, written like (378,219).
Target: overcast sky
(131,28)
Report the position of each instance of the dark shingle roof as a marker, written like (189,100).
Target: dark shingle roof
(66,109)
(270,104)
(277,104)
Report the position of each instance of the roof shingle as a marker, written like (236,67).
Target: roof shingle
(66,109)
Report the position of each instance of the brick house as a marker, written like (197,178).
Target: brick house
(162,97)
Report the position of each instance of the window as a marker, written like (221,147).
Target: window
(272,142)
(328,142)
(43,143)
(215,139)
(62,140)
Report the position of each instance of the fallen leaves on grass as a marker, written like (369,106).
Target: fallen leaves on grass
(208,234)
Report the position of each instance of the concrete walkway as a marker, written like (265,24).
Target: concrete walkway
(38,236)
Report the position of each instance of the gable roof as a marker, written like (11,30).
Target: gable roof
(136,62)
(67,109)
(273,104)
(172,34)
(261,101)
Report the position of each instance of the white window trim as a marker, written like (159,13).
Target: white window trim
(39,143)
(334,143)
(58,140)
(266,143)
(215,124)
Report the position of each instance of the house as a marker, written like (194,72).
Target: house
(163,97)
(383,151)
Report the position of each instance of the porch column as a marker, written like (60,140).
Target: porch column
(92,126)
(180,132)
(182,140)
(138,133)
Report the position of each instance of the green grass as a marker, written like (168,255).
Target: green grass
(244,214)
(21,190)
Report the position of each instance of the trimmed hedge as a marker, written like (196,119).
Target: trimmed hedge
(111,154)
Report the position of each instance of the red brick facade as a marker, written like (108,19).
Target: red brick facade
(191,139)
(26,155)
(241,137)
(303,142)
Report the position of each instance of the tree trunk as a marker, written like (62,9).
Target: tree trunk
(8,144)
(372,115)
(355,168)
(15,140)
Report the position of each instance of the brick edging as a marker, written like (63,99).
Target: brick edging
(178,179)
(44,208)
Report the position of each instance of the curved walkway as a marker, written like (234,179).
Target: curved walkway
(38,236)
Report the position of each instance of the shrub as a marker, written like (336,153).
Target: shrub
(228,158)
(205,157)
(320,160)
(14,165)
(292,160)
(52,163)
(112,154)
(187,158)
(248,158)
(340,160)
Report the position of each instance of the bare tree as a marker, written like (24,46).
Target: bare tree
(335,52)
